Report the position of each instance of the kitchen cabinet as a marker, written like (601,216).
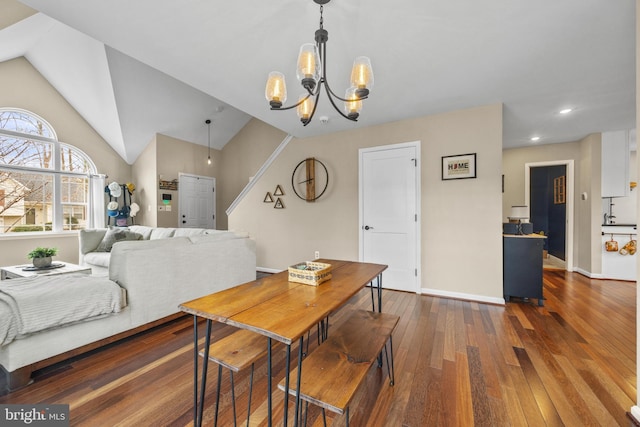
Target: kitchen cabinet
(522,266)
(615,164)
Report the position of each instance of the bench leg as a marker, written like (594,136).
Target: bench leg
(203,382)
(392,376)
(215,420)
(295,422)
(233,399)
(250,393)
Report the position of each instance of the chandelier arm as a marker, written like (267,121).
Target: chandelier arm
(341,98)
(295,105)
(326,87)
(323,56)
(315,105)
(326,82)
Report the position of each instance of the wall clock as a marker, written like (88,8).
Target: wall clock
(310,179)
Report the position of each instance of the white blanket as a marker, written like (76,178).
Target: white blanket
(33,304)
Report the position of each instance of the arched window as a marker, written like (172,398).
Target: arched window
(45,185)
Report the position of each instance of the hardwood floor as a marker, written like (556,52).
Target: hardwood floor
(457,363)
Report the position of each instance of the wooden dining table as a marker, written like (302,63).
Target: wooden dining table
(280,310)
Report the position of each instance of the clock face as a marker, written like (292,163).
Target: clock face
(310,179)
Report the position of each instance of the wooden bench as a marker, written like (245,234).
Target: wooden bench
(332,374)
(235,352)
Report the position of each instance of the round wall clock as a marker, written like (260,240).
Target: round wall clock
(310,179)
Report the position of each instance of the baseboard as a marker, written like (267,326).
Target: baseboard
(463,296)
(634,415)
(268,270)
(588,273)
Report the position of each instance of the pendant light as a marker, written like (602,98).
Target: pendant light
(208,122)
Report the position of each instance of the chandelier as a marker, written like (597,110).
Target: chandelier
(312,73)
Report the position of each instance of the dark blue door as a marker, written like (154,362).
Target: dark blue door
(548,208)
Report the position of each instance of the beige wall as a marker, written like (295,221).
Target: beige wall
(589,220)
(145,179)
(166,158)
(21,86)
(461,220)
(13,11)
(175,156)
(242,157)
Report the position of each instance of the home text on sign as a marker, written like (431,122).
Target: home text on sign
(458,167)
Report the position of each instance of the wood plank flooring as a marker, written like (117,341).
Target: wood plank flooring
(457,363)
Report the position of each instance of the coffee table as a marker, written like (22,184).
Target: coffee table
(17,271)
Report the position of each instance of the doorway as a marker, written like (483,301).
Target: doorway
(389,192)
(197,201)
(547,210)
(549,189)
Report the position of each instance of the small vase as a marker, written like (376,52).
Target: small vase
(42,262)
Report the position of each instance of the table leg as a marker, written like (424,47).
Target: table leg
(269,399)
(380,293)
(379,282)
(195,370)
(286,386)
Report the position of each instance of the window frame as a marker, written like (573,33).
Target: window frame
(57,225)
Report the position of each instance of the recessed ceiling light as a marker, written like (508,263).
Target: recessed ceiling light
(566,111)
(535,138)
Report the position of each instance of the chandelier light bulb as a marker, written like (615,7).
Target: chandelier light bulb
(276,90)
(353,106)
(362,75)
(308,66)
(305,108)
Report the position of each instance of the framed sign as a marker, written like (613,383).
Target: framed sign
(459,167)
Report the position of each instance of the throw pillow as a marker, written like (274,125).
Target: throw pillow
(114,235)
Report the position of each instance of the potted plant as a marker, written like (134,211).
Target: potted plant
(41,257)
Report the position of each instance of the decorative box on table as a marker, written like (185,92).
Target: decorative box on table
(310,273)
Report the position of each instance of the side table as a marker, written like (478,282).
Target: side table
(16,271)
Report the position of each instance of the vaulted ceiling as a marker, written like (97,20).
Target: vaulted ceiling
(136,68)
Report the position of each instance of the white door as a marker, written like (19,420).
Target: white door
(197,201)
(389,212)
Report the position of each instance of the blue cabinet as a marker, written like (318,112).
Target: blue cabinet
(522,267)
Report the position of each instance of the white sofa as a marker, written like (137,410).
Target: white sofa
(157,273)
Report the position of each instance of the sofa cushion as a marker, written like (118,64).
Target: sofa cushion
(218,235)
(186,232)
(90,239)
(115,235)
(142,229)
(100,259)
(162,233)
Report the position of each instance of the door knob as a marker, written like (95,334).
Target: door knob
(366,227)
(184,222)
